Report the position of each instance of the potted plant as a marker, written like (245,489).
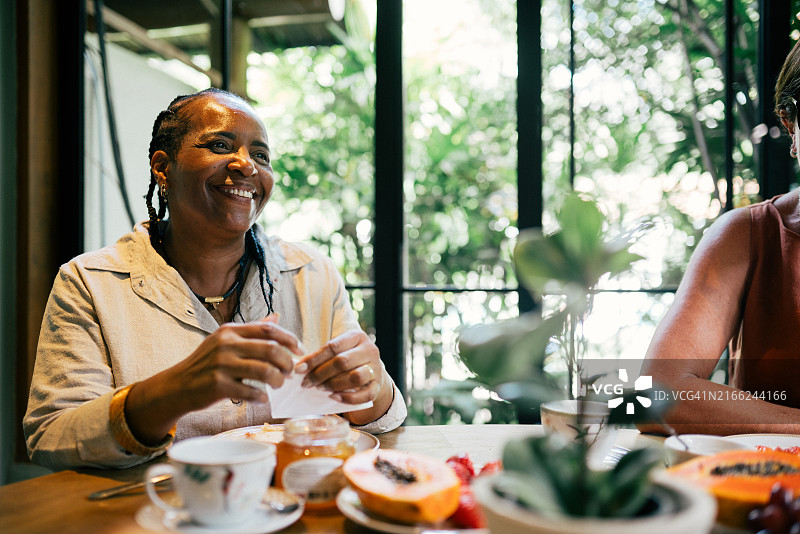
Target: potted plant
(548,483)
(546,486)
(510,356)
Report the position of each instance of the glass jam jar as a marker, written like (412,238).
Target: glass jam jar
(310,458)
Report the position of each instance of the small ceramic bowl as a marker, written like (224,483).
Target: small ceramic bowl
(560,417)
(687,446)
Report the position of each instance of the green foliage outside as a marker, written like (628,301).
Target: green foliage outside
(648,143)
(510,357)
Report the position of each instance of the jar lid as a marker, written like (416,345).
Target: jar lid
(316,428)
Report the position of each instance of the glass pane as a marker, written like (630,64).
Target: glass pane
(649,119)
(460,193)
(747,132)
(319,108)
(435,378)
(363,303)
(619,326)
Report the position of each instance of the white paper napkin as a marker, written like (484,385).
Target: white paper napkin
(293,400)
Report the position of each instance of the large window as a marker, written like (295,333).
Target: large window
(639,106)
(460,186)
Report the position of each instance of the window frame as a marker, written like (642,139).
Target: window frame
(774,170)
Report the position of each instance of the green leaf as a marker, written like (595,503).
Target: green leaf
(530,491)
(631,480)
(523,456)
(549,474)
(580,252)
(636,465)
(509,350)
(539,260)
(619,261)
(581,224)
(528,395)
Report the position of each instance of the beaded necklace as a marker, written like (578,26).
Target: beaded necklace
(214,302)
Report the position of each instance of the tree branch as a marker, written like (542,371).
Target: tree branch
(697,126)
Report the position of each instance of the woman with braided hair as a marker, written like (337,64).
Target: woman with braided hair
(741,291)
(164,335)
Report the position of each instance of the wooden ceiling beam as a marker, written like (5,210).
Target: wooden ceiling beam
(163,48)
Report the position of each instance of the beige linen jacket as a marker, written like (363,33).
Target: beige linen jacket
(122,314)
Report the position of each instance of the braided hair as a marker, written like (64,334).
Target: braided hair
(169,130)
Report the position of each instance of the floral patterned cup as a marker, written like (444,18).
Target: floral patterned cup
(221,481)
(561,417)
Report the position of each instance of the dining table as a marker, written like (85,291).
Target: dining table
(58,503)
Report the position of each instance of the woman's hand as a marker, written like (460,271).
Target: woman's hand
(260,351)
(214,371)
(349,366)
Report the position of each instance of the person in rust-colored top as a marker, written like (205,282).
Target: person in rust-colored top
(741,290)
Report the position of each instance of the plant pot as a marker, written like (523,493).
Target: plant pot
(561,417)
(678,508)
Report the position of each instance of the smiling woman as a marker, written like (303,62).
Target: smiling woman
(223,175)
(218,182)
(132,356)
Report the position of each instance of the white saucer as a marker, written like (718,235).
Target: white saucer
(263,521)
(349,504)
(274,434)
(783,441)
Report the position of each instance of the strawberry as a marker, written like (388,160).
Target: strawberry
(462,472)
(491,467)
(469,513)
(464,460)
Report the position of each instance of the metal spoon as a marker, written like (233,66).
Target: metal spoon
(106,493)
(278,505)
(281,501)
(282,508)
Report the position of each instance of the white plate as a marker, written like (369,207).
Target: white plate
(264,521)
(768,440)
(274,434)
(350,505)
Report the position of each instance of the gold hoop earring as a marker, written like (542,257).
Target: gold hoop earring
(164,191)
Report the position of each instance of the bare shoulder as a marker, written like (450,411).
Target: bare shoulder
(787,206)
(705,312)
(732,230)
(728,237)
(717,270)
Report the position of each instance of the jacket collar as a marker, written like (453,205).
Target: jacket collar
(157,282)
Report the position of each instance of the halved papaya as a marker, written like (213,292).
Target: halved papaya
(403,486)
(741,480)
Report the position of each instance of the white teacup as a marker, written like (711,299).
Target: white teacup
(221,481)
(561,417)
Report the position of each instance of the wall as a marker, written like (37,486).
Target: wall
(7,236)
(138,93)
(141,92)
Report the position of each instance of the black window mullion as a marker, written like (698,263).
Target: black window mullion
(389,152)
(71,185)
(529,123)
(226,35)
